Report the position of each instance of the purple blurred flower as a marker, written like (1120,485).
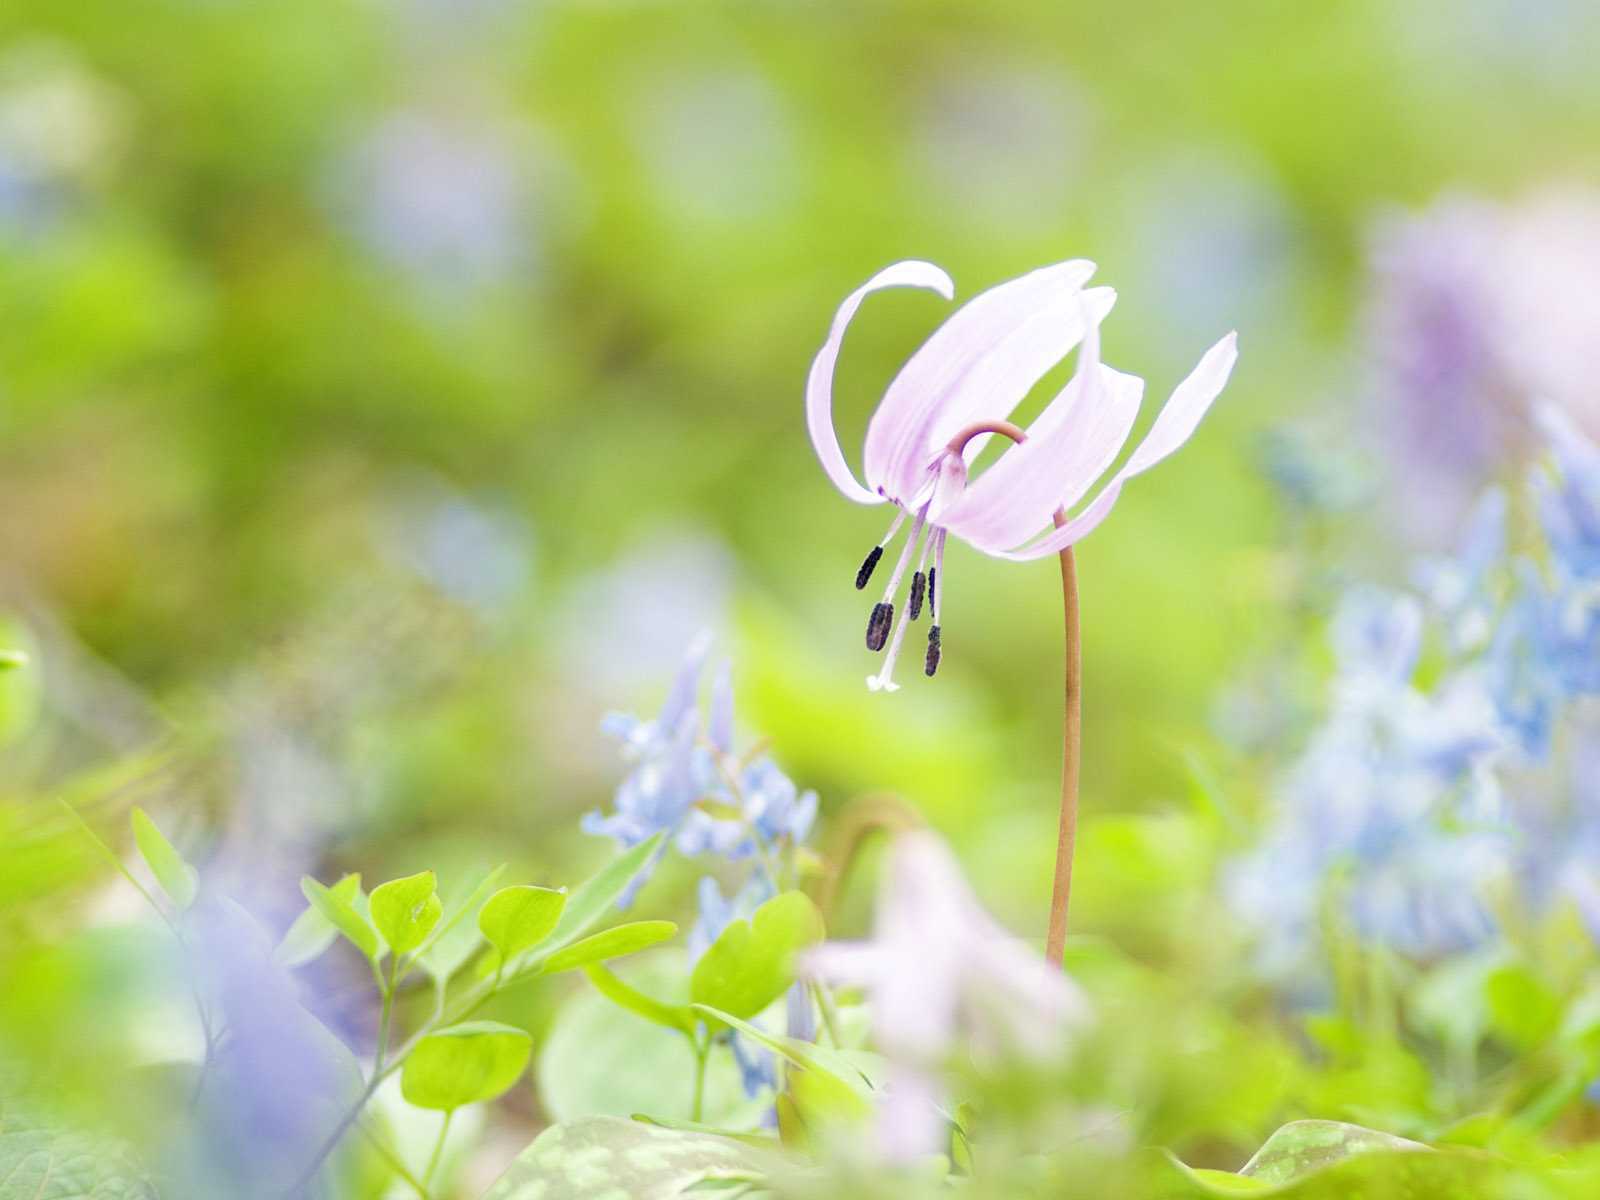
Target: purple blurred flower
(978,367)
(280,1080)
(943,976)
(1478,312)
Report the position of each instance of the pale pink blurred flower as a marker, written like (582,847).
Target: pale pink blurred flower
(977,367)
(943,976)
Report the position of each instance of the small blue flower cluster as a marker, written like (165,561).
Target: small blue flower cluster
(686,780)
(1428,784)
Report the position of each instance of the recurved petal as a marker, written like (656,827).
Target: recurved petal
(1178,420)
(979,364)
(1190,401)
(819,384)
(1072,444)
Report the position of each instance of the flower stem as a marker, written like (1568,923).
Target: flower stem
(1072,722)
(393,1159)
(438,1148)
(1071,757)
(702,1051)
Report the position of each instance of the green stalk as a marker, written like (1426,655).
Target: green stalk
(438,1148)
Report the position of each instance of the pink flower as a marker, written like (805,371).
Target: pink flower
(978,367)
(944,975)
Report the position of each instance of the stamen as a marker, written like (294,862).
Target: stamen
(867,568)
(931,663)
(919,584)
(883,681)
(871,564)
(878,625)
(933,575)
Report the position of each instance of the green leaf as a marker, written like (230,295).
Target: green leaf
(1300,1147)
(176,877)
(612,943)
(751,963)
(613,1156)
(1522,1008)
(406,910)
(672,1016)
(518,918)
(465,1064)
(10,660)
(831,1090)
(454,939)
(590,900)
(43,1162)
(595,1061)
(342,915)
(312,933)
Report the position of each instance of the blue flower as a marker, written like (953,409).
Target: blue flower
(669,775)
(1393,813)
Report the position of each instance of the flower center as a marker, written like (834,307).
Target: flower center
(948,477)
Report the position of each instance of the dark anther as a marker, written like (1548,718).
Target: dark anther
(878,625)
(932,663)
(932,571)
(919,584)
(868,567)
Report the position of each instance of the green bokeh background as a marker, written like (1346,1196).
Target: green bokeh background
(222,404)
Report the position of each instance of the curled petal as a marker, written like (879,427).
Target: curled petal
(1178,420)
(819,384)
(1190,401)
(978,365)
(1073,442)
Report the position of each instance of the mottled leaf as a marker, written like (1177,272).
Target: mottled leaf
(612,1156)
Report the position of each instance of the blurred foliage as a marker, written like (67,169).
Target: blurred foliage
(389,387)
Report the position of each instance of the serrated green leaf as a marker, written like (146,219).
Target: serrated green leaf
(590,900)
(406,910)
(751,963)
(611,943)
(312,933)
(342,915)
(625,995)
(466,1064)
(518,918)
(176,877)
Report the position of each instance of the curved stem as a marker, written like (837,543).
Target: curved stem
(1071,756)
(1072,718)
